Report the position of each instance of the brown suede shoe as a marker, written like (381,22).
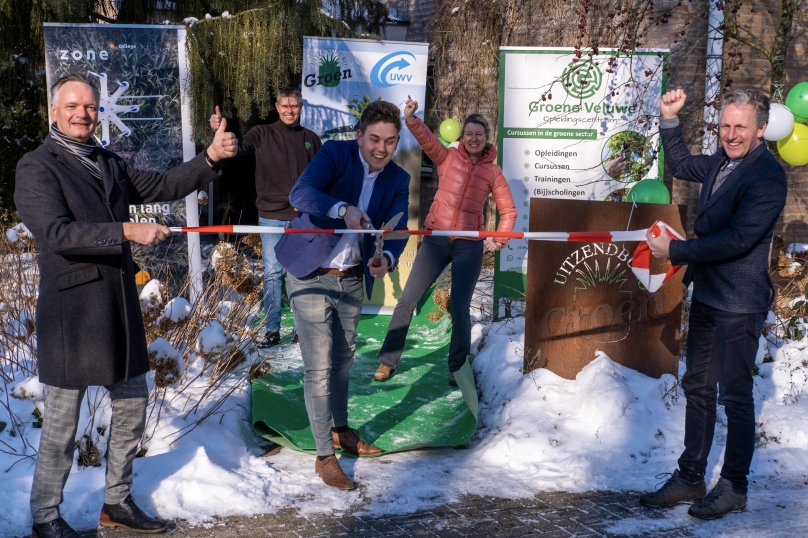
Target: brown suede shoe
(332,474)
(383,373)
(349,441)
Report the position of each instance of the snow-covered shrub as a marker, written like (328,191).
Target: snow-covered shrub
(166,362)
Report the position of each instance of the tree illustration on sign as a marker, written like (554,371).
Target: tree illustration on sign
(109,108)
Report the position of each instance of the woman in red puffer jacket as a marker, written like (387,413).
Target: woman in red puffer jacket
(467,175)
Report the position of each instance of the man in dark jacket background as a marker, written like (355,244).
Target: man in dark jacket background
(74,196)
(282,151)
(743,192)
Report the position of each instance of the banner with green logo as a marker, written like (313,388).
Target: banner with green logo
(574,124)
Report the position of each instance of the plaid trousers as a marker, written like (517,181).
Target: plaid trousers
(58,443)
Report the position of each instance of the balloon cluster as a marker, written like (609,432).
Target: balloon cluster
(449,132)
(786,126)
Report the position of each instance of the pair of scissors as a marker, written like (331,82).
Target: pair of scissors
(385,231)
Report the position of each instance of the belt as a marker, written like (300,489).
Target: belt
(356,270)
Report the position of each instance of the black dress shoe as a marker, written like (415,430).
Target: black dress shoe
(128,516)
(58,528)
(270,339)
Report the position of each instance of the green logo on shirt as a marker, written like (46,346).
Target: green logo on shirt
(308,145)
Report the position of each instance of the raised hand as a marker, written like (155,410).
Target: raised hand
(215,119)
(671,103)
(224,145)
(409,109)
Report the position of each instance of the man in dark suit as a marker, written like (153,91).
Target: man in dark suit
(346,184)
(74,196)
(742,194)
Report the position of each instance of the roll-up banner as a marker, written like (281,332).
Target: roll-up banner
(565,117)
(141,72)
(340,78)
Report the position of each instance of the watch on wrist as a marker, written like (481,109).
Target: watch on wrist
(342,211)
(213,164)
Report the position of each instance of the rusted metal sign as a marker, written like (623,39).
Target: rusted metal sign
(583,297)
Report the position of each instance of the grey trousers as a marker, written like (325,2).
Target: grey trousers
(327,310)
(58,443)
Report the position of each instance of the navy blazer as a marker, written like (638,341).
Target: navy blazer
(336,175)
(728,262)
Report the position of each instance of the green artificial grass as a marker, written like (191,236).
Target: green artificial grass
(416,408)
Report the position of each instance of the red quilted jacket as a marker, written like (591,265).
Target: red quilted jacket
(463,186)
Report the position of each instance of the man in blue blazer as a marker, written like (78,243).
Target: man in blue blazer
(742,194)
(346,184)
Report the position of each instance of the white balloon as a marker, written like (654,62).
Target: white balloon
(781,122)
(456,144)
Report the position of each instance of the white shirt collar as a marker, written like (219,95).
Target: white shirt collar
(366,167)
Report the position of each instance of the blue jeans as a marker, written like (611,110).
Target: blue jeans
(327,310)
(721,350)
(273,275)
(434,255)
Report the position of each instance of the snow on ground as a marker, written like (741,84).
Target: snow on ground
(609,429)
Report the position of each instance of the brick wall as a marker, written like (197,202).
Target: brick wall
(420,13)
(752,73)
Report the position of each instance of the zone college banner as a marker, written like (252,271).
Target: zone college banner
(340,78)
(564,117)
(141,73)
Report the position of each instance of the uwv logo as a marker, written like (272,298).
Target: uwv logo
(389,71)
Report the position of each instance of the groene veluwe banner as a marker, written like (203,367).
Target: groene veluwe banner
(565,117)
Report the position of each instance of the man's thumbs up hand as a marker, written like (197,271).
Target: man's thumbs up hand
(216,119)
(224,145)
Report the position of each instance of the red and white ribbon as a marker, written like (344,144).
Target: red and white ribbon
(574,237)
(640,264)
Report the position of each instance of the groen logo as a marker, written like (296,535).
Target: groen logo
(581,79)
(308,145)
(329,71)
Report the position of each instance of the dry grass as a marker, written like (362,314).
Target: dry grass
(230,298)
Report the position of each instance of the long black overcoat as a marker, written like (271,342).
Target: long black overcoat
(89,326)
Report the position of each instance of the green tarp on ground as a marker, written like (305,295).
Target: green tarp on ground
(416,408)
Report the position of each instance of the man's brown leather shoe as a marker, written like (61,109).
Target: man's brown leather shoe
(332,474)
(349,441)
(383,373)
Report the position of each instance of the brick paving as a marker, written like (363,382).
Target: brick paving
(547,515)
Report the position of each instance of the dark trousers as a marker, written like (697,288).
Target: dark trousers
(721,350)
(434,255)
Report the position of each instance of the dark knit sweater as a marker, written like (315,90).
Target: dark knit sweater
(281,154)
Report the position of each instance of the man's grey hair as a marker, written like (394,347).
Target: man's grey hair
(73,77)
(757,99)
(290,92)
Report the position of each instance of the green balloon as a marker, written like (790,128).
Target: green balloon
(649,191)
(793,149)
(450,130)
(444,142)
(797,102)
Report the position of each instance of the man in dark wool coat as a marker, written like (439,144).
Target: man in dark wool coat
(74,196)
